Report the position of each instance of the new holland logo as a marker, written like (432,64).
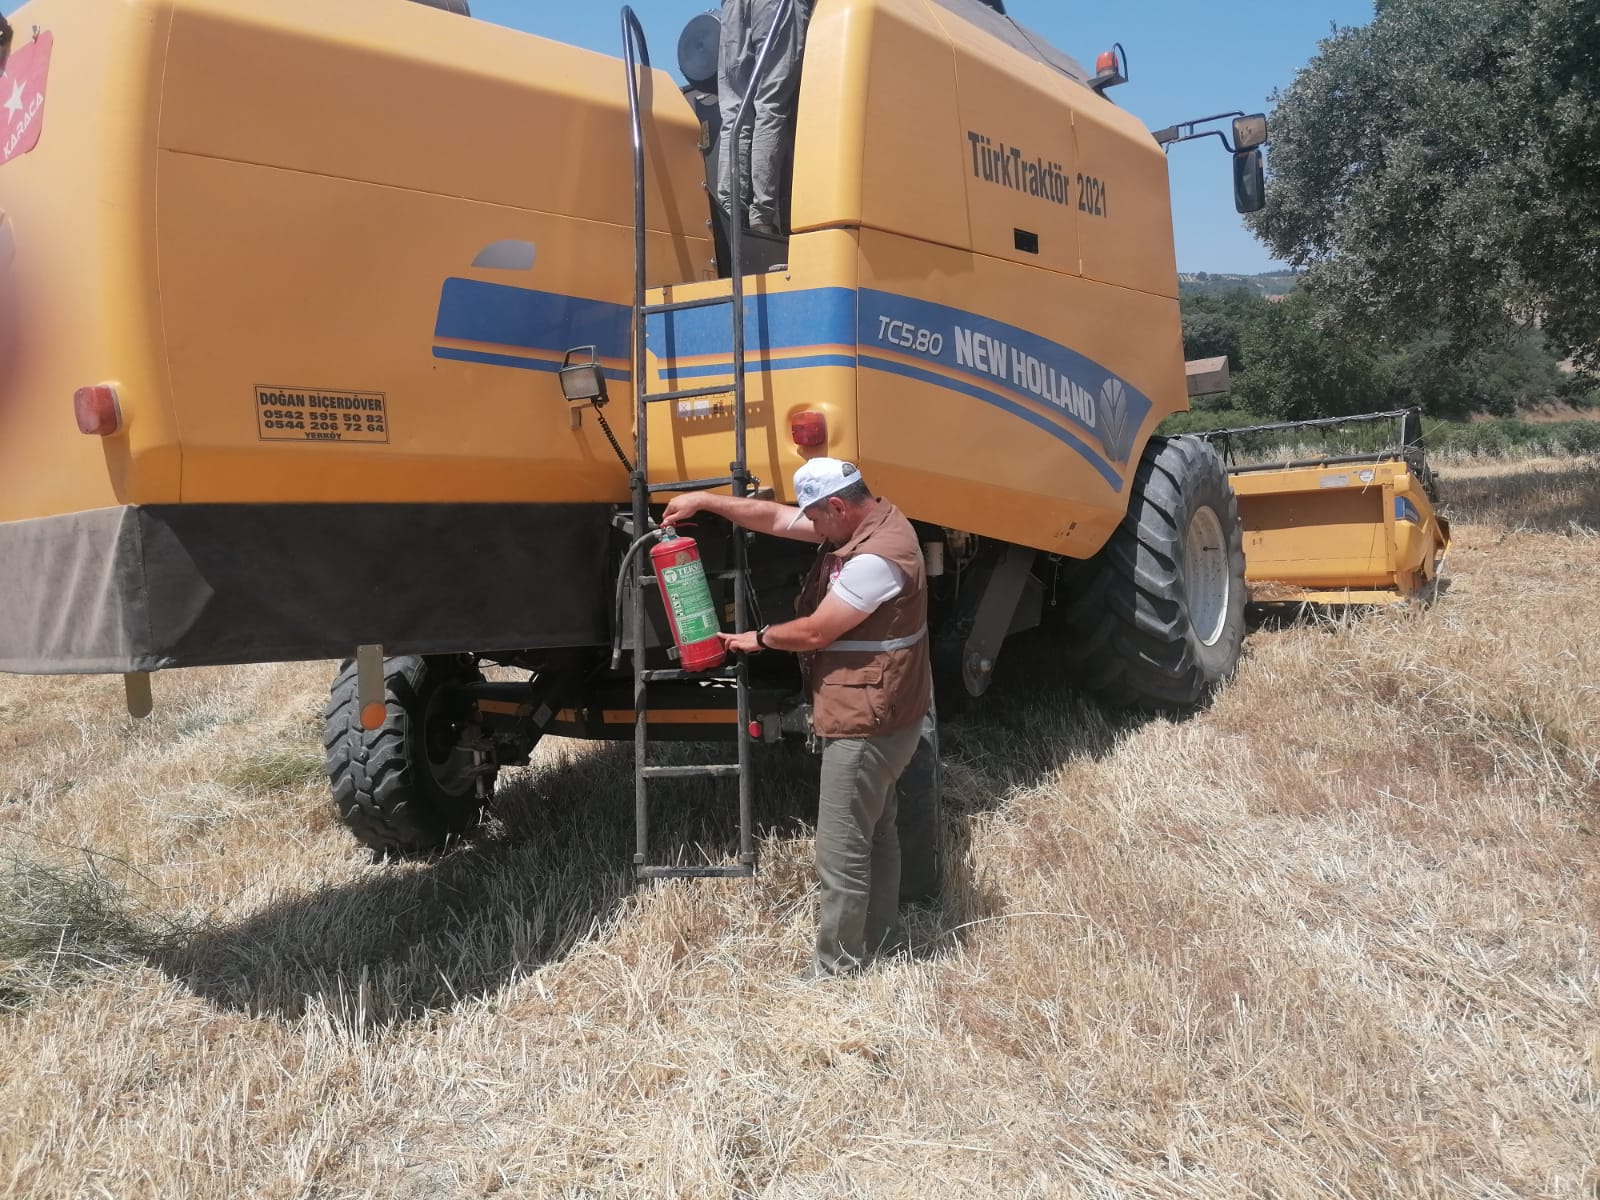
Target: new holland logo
(1113,423)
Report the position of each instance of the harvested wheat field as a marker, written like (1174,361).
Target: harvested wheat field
(1334,936)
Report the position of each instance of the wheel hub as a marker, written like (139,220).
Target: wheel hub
(1206,582)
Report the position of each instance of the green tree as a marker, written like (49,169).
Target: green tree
(1499,376)
(1299,366)
(1439,170)
(1214,323)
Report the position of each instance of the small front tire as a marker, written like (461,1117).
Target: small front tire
(409,786)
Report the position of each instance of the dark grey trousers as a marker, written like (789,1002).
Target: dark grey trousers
(767,140)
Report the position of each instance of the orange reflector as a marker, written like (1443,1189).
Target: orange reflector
(372,716)
(809,429)
(1106,63)
(97,410)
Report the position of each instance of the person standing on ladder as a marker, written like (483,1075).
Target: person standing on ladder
(767,138)
(862,637)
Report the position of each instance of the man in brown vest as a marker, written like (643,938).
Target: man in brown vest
(862,637)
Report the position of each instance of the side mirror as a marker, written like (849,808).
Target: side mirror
(1249,132)
(1249,182)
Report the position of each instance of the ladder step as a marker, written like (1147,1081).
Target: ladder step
(676,676)
(692,485)
(699,771)
(739,872)
(715,389)
(647,580)
(667,306)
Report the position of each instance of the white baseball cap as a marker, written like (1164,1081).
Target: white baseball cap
(819,478)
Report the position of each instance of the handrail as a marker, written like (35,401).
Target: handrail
(1312,423)
(636,53)
(1407,447)
(635,50)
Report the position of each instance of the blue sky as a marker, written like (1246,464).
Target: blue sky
(1187,59)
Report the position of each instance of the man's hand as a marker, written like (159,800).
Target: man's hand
(681,508)
(739,643)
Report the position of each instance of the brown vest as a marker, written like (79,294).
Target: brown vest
(858,686)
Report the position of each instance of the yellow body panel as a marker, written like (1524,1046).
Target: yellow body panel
(333,253)
(80,292)
(1348,533)
(985,386)
(234,200)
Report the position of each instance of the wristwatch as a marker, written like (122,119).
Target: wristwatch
(761,637)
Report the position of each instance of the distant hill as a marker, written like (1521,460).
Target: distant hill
(1268,283)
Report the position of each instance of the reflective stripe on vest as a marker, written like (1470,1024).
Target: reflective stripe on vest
(903,643)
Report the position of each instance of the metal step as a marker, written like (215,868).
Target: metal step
(744,871)
(730,573)
(698,771)
(716,389)
(692,485)
(679,676)
(668,306)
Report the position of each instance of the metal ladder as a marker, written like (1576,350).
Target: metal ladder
(636,55)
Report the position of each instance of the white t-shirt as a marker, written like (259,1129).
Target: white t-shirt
(867,582)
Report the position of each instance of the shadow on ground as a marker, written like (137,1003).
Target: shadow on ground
(552,866)
(1542,499)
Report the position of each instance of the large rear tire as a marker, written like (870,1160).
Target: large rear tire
(407,787)
(1156,619)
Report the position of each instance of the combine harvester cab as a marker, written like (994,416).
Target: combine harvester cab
(1354,528)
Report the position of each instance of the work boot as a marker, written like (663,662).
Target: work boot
(816,970)
(765,227)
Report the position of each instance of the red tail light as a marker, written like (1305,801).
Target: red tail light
(98,410)
(809,429)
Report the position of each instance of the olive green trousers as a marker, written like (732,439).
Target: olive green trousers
(858,849)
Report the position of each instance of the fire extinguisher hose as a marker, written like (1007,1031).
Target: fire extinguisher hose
(622,578)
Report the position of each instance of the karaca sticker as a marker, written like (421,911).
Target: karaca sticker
(22,96)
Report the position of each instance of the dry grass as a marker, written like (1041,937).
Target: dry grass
(1333,937)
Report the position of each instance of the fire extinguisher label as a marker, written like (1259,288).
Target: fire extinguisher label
(690,597)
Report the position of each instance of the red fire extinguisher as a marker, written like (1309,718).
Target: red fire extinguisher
(687,598)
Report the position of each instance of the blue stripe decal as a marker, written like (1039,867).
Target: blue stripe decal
(1002,365)
(1404,510)
(471,310)
(1015,362)
(782,364)
(512,360)
(895,367)
(772,321)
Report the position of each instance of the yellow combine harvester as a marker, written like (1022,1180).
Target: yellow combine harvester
(311,314)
